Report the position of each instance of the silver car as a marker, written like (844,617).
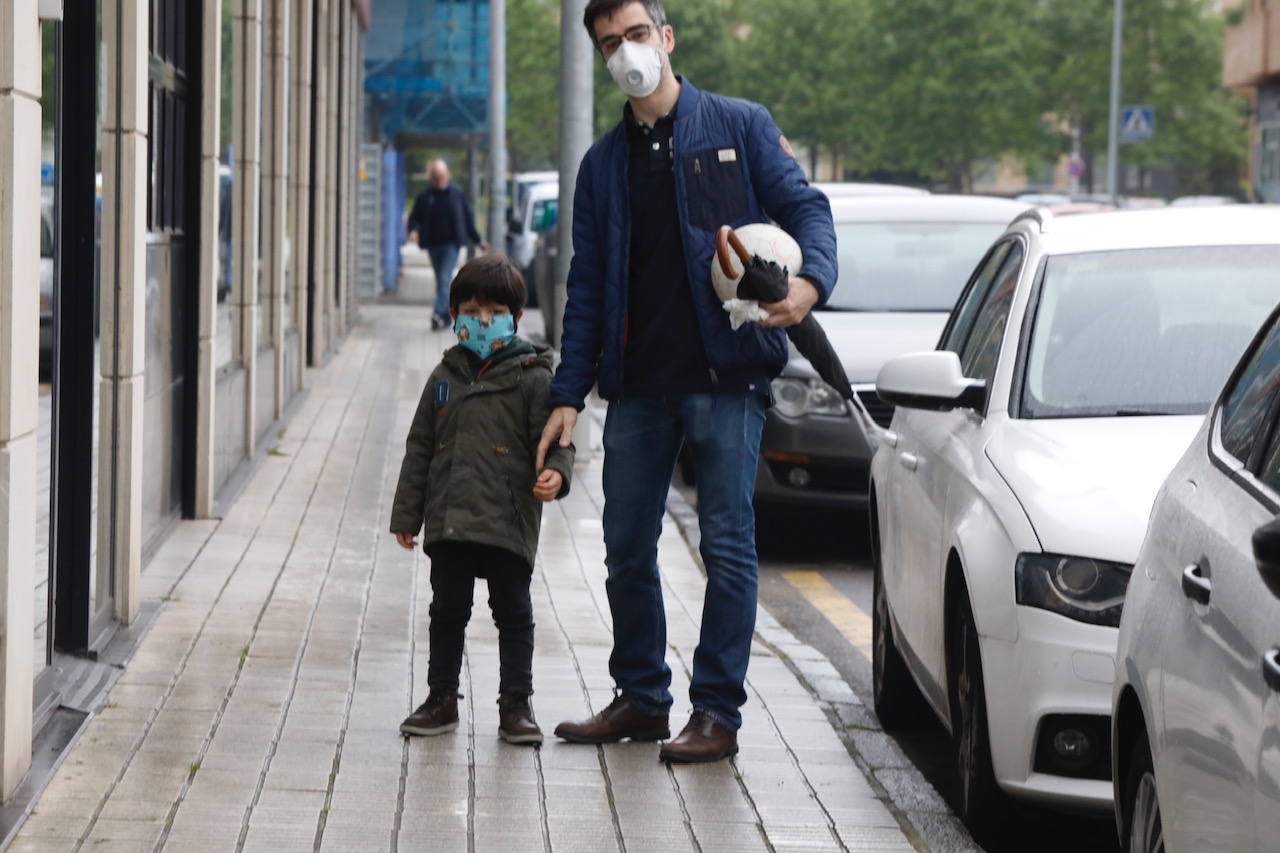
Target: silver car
(1196,718)
(903,261)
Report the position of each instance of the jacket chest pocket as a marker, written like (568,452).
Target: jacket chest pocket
(715,187)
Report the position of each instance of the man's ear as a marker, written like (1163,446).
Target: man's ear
(669,38)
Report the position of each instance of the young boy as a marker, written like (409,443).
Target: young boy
(468,482)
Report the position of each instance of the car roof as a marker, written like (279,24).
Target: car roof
(545,189)
(1227,225)
(926,208)
(842,189)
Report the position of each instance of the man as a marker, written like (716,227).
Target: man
(441,221)
(643,320)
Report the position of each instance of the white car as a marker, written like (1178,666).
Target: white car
(857,189)
(1196,731)
(1011,494)
(534,214)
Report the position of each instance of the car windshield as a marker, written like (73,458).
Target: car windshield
(907,266)
(1145,332)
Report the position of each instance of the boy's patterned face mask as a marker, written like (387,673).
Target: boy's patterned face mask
(485,339)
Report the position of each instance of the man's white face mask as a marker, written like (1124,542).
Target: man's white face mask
(636,68)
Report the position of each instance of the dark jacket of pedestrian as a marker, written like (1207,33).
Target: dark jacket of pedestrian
(468,470)
(732,167)
(443,217)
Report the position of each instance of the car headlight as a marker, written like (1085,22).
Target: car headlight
(795,397)
(1079,588)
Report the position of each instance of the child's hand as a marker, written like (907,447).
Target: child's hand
(407,541)
(548,485)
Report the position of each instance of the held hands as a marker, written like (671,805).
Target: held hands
(548,485)
(408,541)
(801,296)
(559,426)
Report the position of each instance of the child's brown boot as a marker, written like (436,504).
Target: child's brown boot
(515,720)
(437,715)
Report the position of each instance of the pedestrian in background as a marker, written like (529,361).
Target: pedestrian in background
(468,483)
(442,223)
(643,320)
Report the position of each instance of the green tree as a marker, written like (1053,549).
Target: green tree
(533,83)
(1172,62)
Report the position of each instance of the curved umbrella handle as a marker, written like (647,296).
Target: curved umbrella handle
(725,238)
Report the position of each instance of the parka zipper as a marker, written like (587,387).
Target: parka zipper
(682,204)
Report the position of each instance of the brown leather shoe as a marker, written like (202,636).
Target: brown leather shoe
(702,740)
(619,721)
(437,715)
(516,723)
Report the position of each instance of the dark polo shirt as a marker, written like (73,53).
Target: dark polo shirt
(664,352)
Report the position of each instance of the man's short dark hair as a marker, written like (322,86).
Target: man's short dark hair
(606,8)
(490,278)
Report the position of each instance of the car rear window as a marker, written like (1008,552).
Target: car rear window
(907,266)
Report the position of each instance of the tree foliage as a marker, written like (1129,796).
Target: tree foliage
(927,87)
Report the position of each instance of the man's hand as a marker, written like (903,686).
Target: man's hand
(484,248)
(560,426)
(412,237)
(547,488)
(802,295)
(408,541)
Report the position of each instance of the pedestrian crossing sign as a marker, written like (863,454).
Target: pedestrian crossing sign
(1137,124)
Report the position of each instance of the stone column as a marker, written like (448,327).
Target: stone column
(300,174)
(276,183)
(19,355)
(320,187)
(123,302)
(207,369)
(246,82)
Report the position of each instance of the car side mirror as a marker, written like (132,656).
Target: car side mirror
(1266,551)
(929,380)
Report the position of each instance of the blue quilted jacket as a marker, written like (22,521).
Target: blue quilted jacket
(732,167)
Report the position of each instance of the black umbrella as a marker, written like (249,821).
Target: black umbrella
(765,281)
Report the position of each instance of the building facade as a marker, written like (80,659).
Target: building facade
(1252,64)
(177,212)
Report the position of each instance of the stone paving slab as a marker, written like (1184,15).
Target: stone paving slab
(261,711)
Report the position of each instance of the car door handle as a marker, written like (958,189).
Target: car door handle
(1195,585)
(909,461)
(891,438)
(1271,668)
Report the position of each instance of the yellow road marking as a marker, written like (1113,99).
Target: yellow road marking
(848,618)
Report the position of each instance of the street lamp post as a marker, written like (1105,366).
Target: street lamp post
(1113,123)
(498,125)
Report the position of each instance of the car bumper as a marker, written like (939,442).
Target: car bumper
(813,461)
(1057,666)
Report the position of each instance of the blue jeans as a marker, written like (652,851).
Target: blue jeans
(642,439)
(443,259)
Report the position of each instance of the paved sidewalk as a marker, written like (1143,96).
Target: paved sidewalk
(261,710)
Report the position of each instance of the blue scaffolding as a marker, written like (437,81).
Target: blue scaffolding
(427,68)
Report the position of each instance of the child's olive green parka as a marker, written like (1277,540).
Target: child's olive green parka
(468,469)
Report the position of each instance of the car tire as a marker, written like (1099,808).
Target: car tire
(897,700)
(979,798)
(1143,827)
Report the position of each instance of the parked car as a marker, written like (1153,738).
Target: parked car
(1010,497)
(521,234)
(903,260)
(847,189)
(1196,727)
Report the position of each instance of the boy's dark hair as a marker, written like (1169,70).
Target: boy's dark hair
(492,277)
(606,8)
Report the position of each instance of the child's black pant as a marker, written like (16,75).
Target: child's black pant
(454,569)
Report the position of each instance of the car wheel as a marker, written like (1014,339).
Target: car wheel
(1141,803)
(897,700)
(979,796)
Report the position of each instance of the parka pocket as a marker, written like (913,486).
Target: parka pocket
(715,187)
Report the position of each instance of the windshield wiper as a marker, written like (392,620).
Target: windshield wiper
(1140,413)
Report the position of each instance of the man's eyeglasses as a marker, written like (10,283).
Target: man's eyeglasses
(638,33)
